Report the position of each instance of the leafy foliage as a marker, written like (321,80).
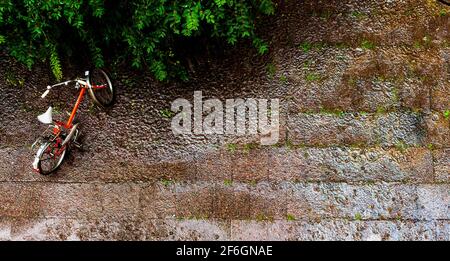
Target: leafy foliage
(145,32)
(55,64)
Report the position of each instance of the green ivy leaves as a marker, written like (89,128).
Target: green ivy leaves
(260,45)
(97,7)
(267,7)
(55,64)
(144,31)
(192,17)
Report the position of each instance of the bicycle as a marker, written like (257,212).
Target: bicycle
(445,2)
(59,136)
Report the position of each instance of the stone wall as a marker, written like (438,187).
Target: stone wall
(364,154)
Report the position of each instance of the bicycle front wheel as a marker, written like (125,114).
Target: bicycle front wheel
(49,157)
(101,89)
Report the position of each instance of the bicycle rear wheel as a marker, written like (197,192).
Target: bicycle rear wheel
(49,157)
(101,89)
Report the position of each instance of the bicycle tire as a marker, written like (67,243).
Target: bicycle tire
(103,97)
(43,151)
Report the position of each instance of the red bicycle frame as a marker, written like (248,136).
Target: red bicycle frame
(75,108)
(68,124)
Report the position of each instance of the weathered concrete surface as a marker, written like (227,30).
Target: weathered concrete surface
(132,229)
(442,165)
(340,230)
(363,153)
(383,79)
(351,165)
(350,129)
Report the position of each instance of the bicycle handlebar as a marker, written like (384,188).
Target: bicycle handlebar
(45,93)
(61,83)
(84,83)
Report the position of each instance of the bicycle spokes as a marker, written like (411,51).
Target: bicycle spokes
(101,91)
(51,156)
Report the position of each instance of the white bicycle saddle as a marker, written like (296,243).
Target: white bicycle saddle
(46,117)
